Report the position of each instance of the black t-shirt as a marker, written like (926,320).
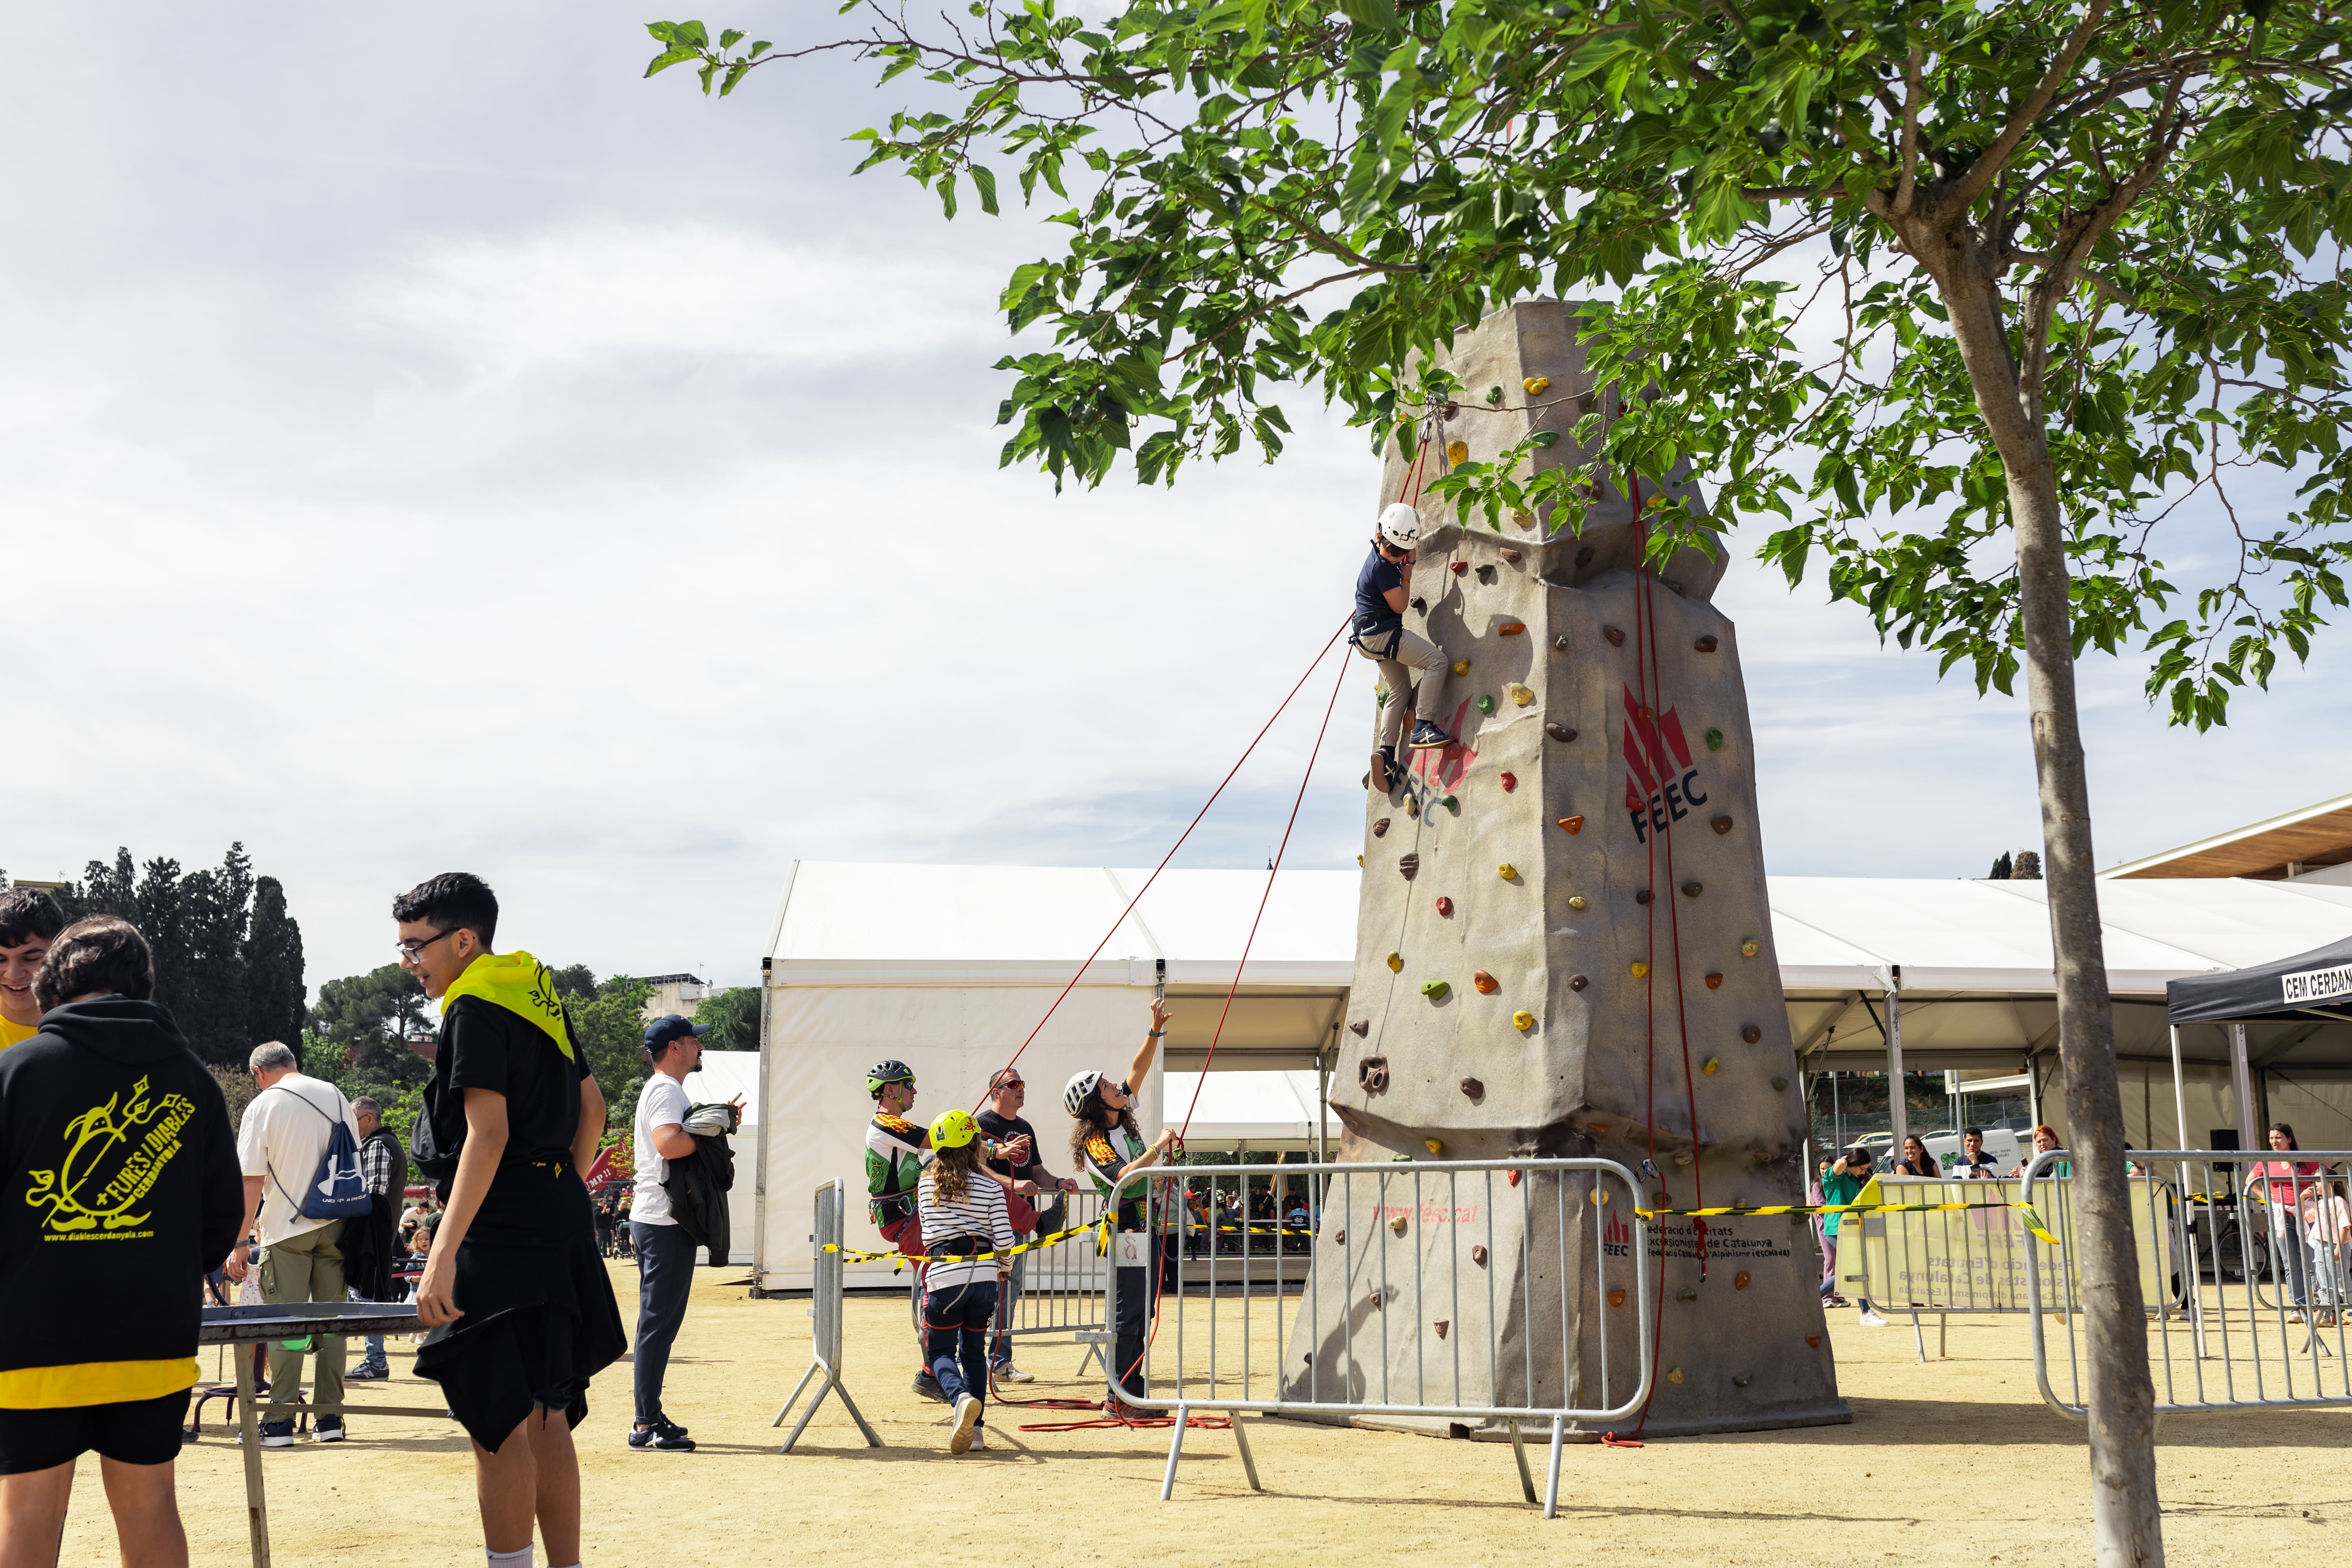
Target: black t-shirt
(1372,613)
(484,1045)
(1004,1129)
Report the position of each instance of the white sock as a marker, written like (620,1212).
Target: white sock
(521,1559)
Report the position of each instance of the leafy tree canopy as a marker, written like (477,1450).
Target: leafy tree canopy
(733,1016)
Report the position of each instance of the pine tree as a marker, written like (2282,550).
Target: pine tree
(2000,868)
(273,967)
(2029,867)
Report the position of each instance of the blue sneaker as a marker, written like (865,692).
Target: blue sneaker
(663,1436)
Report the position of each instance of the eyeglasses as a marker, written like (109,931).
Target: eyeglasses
(410,950)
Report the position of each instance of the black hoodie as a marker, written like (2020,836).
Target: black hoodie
(119,1189)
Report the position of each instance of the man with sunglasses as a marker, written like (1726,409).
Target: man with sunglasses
(1015,1140)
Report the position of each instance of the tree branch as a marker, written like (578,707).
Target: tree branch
(1990,163)
(1908,188)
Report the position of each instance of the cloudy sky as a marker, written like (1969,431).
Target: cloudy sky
(425,444)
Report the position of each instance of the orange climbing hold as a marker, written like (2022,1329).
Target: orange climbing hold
(1739,1280)
(1511,628)
(1486,983)
(1616,1298)
(1573,823)
(1714,982)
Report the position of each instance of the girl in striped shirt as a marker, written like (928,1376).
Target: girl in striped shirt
(963,1213)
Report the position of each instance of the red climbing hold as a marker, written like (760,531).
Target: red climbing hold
(1616,638)
(1616,1298)
(1751,1034)
(1577,983)
(1510,782)
(1508,553)
(1814,1341)
(1380,828)
(1715,982)
(1513,1177)
(1720,824)
(1445,909)
(1460,567)
(1360,1028)
(1559,731)
(1511,628)
(1474,1089)
(1478,1255)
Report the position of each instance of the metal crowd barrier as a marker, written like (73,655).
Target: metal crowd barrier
(1058,1289)
(1442,1326)
(825,1310)
(2260,1265)
(1975,1258)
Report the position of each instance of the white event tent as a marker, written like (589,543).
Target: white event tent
(950,968)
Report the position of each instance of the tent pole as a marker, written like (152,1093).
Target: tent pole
(2180,1097)
(2242,1081)
(1898,1114)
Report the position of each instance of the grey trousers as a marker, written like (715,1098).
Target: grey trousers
(1401,654)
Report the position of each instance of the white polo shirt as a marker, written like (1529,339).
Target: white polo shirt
(661,1103)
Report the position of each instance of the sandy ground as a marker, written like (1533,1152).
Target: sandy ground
(1956,1461)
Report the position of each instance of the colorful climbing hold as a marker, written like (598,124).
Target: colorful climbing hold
(1572,824)
(1510,782)
(1640,970)
(1458,567)
(1641,895)
(1743,1379)
(1485,704)
(1512,1177)
(1715,982)
(1396,964)
(1561,642)
(1706,645)
(1441,1328)
(1739,1280)
(1598,1130)
(1373,1072)
(1461,666)
(1715,740)
(1559,731)
(1577,901)
(1780,1082)
(1452,803)
(1420,605)
(1458,452)
(1523,1020)
(1616,1298)
(1524,519)
(1360,860)
(1511,555)
(1433,1146)
(1411,807)
(1478,1255)
(1747,948)
(1435,990)
(1708,1066)
(1360,1028)
(1814,1341)
(1616,638)
(1379,828)
(1473,1087)
(1508,872)
(1675,1374)
(1721,825)
(1520,694)
(1397,1225)
(1486,573)
(1751,1032)
(1445,909)
(1598,1196)
(1537,386)
(1486,983)
(1687,1293)
(1693,889)
(1577,982)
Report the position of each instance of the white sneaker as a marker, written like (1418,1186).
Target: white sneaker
(1008,1373)
(979,1439)
(1871,1320)
(967,1417)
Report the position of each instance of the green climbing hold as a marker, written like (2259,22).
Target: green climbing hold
(1715,740)
(1485,705)
(1452,803)
(1687,1293)
(1434,990)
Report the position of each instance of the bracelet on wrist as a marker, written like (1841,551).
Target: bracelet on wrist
(1154,1034)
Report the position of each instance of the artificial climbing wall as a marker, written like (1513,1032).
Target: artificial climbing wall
(1564,948)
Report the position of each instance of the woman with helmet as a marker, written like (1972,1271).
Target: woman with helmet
(1377,631)
(1108,1141)
(963,1215)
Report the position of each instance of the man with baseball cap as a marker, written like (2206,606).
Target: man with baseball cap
(665,1252)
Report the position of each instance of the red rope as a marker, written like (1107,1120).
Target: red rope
(1237,768)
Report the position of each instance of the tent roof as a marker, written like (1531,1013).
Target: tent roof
(2315,985)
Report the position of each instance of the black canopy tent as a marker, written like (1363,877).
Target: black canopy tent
(2299,1003)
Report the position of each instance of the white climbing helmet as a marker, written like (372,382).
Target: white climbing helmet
(1073,1098)
(1399,526)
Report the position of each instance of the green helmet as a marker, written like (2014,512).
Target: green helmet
(889,1071)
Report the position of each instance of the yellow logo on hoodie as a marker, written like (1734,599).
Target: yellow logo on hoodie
(114,1154)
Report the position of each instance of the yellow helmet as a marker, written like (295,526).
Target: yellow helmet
(953,1130)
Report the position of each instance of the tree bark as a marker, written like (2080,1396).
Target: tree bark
(2125,1516)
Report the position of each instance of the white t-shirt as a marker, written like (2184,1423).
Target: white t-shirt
(283,1135)
(661,1103)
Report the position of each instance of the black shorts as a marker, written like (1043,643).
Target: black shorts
(134,1432)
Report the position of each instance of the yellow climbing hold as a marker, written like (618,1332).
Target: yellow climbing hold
(1396,964)
(1577,901)
(1461,666)
(1458,452)
(1397,1225)
(1640,970)
(1433,1145)
(1523,1019)
(1537,386)
(1747,948)
(1600,1195)
(1411,807)
(1522,695)
(1508,871)
(1708,1066)
(1673,1375)
(1360,860)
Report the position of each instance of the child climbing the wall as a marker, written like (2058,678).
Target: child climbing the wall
(1378,632)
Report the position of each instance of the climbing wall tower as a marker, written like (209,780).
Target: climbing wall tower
(1564,948)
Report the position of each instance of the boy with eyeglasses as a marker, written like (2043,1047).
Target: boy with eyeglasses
(519,1309)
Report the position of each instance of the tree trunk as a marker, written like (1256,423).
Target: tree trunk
(2125,1516)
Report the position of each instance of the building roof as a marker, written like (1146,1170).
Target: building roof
(671,979)
(2313,837)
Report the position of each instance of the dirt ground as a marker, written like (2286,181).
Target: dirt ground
(1956,1461)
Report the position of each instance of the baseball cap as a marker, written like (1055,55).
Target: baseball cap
(671,1026)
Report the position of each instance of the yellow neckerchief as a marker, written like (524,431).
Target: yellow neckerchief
(517,982)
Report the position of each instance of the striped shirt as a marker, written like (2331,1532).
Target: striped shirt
(980,1218)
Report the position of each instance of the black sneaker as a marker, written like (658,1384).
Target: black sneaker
(366,1373)
(278,1433)
(928,1387)
(662,1436)
(1426,734)
(330,1429)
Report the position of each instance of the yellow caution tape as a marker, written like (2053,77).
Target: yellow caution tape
(854,1255)
(2032,1221)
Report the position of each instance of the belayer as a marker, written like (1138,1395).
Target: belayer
(1378,632)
